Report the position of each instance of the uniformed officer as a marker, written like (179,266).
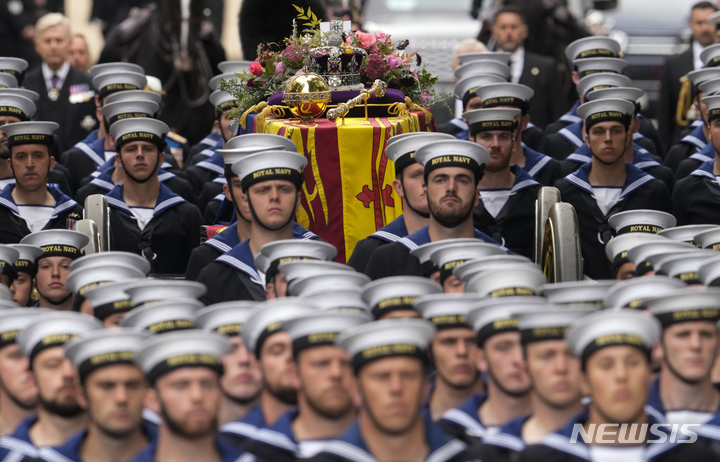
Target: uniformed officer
(408,184)
(60,247)
(263,335)
(183,370)
(147,218)
(59,415)
(30,205)
(241,382)
(326,389)
(607,184)
(271,182)
(452,171)
(506,209)
(390,359)
(25,271)
(453,351)
(114,389)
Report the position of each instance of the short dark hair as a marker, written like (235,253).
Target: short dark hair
(704,6)
(511,9)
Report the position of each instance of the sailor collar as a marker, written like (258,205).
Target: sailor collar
(634,180)
(166,199)
(241,258)
(393,231)
(422,236)
(535,161)
(63,203)
(467,416)
(571,116)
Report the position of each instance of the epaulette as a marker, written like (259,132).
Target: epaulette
(177,138)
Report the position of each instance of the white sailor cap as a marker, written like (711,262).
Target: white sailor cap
(223,100)
(129,109)
(505,94)
(24,92)
(155,290)
(14,319)
(470,268)
(54,329)
(483,120)
(686,305)
(15,67)
(608,328)
(633,292)
(699,76)
(225,318)
(8,257)
(641,221)
(447,311)
(96,349)
(267,317)
(236,66)
(577,292)
(154,85)
(591,66)
(397,293)
(685,233)
(713,105)
(593,47)
(685,266)
(113,82)
(114,68)
(299,269)
(506,280)
(7,81)
(500,56)
(496,316)
(57,242)
(139,129)
(274,254)
(714,19)
(710,87)
(618,247)
(111,258)
(484,66)
(631,94)
(30,133)
(344,300)
(710,56)
(453,153)
(320,328)
(161,354)
(27,254)
(331,280)
(423,252)
(252,143)
(108,299)
(448,257)
(401,148)
(81,280)
(709,272)
(388,338)
(606,110)
(467,87)
(550,323)
(600,81)
(230,77)
(134,95)
(270,165)
(646,255)
(163,317)
(16,106)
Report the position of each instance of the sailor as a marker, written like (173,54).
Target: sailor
(263,335)
(147,291)
(183,370)
(305,276)
(326,390)
(452,171)
(271,183)
(608,184)
(452,254)
(60,247)
(30,205)
(477,76)
(23,285)
(408,184)
(163,316)
(8,256)
(394,296)
(81,280)
(114,389)
(147,218)
(633,293)
(390,361)
(506,209)
(109,302)
(241,382)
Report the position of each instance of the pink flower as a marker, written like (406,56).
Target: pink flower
(280,67)
(376,67)
(394,61)
(256,69)
(366,40)
(382,37)
(424,97)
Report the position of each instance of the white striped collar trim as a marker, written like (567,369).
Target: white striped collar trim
(237,264)
(472,427)
(208,152)
(570,118)
(657,415)
(700,157)
(705,173)
(539,166)
(168,203)
(505,440)
(348,451)
(9,205)
(695,141)
(90,153)
(447,451)
(696,123)
(165,176)
(60,208)
(577,157)
(636,185)
(207,141)
(277,439)
(407,243)
(217,245)
(638,135)
(220,179)
(240,428)
(220,197)
(106,185)
(18,445)
(562,443)
(385,236)
(309,235)
(570,136)
(459,123)
(523,184)
(647,164)
(51,455)
(210,166)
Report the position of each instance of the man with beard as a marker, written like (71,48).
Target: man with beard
(184,369)
(390,360)
(30,205)
(506,210)
(271,182)
(500,357)
(60,247)
(25,270)
(59,415)
(114,390)
(555,376)
(263,336)
(326,391)
(684,392)
(452,171)
(241,382)
(409,185)
(238,231)
(18,393)
(149,219)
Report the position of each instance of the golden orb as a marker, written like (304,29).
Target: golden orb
(307,96)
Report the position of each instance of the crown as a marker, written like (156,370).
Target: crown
(339,64)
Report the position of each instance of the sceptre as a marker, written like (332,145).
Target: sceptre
(378,89)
